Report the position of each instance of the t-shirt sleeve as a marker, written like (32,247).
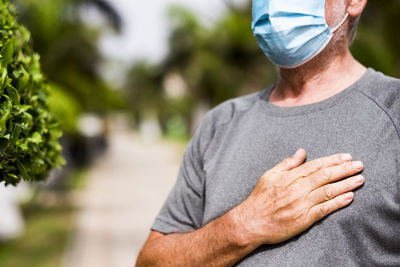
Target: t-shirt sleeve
(184,207)
(385,92)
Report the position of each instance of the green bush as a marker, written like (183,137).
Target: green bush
(29,134)
(65,108)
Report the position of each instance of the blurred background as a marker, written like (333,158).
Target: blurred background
(130,82)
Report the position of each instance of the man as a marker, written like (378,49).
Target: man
(226,209)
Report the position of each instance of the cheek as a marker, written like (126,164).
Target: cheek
(335,11)
(329,12)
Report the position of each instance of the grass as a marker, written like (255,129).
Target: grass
(44,241)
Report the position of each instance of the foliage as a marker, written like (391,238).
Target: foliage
(220,62)
(69,49)
(29,135)
(145,89)
(377,42)
(65,109)
(216,63)
(145,83)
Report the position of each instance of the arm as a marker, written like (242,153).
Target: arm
(287,200)
(216,244)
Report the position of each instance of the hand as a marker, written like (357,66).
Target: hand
(289,198)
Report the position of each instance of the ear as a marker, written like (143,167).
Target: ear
(356,7)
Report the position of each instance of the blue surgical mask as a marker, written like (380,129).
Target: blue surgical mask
(291,32)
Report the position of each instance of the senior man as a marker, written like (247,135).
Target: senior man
(236,202)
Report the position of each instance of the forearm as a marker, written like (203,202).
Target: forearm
(219,243)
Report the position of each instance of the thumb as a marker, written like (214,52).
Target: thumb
(292,162)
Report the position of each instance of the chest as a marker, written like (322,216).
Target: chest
(238,158)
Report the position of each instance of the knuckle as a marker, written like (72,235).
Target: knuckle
(273,173)
(318,164)
(326,175)
(339,158)
(286,161)
(310,216)
(276,188)
(347,167)
(324,210)
(350,167)
(328,192)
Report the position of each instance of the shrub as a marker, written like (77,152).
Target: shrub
(29,134)
(65,108)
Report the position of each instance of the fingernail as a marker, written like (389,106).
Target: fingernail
(346,157)
(357,164)
(348,196)
(359,179)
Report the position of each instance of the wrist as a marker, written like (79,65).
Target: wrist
(238,225)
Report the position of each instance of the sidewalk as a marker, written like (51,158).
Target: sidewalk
(124,193)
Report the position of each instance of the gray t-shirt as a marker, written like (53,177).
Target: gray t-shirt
(243,137)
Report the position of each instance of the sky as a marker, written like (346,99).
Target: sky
(145,30)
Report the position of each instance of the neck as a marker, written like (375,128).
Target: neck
(316,80)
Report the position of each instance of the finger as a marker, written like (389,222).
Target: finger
(291,162)
(321,210)
(330,191)
(333,174)
(315,165)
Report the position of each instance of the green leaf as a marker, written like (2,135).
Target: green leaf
(4,118)
(25,34)
(23,81)
(29,134)
(21,109)
(36,138)
(16,133)
(3,79)
(4,144)
(7,52)
(13,93)
(22,170)
(12,179)
(22,145)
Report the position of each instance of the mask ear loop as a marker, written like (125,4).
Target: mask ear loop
(340,24)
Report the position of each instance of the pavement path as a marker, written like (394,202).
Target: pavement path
(125,191)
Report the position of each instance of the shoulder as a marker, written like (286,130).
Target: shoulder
(222,114)
(225,111)
(382,89)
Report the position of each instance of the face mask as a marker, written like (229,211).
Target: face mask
(291,32)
